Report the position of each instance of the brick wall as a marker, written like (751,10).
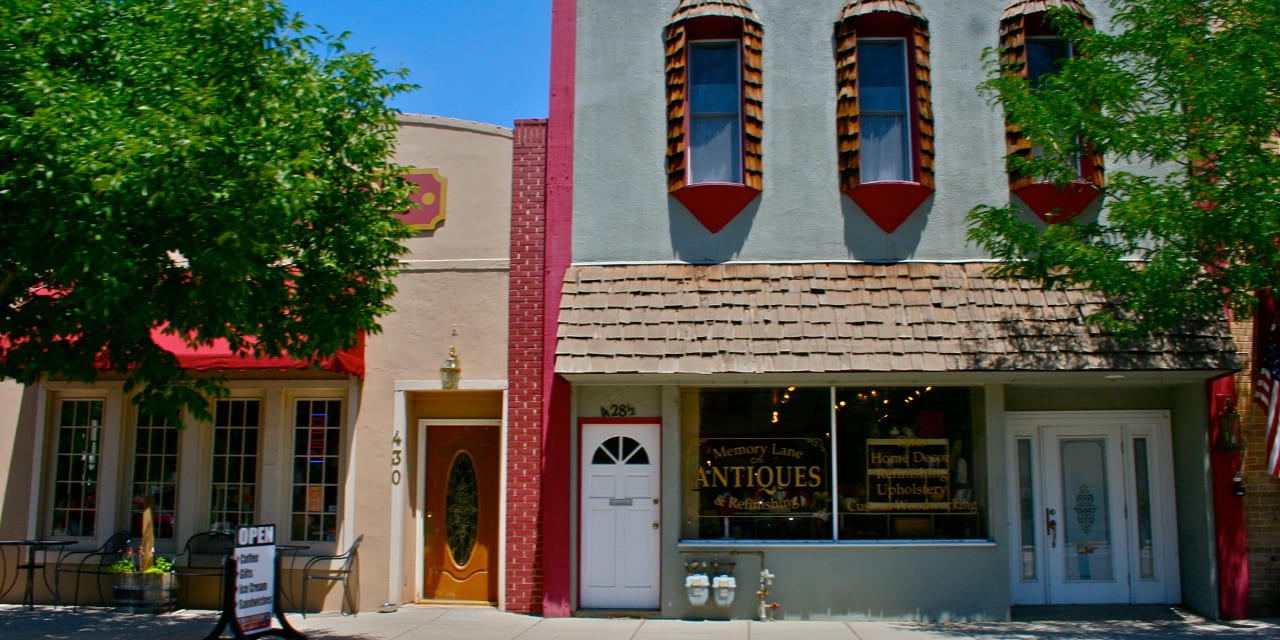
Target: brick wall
(523,568)
(1262,497)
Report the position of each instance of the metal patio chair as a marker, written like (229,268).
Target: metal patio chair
(202,558)
(95,562)
(319,568)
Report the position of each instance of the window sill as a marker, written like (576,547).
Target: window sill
(715,204)
(1058,204)
(889,203)
(828,544)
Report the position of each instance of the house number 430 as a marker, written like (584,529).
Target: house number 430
(397,450)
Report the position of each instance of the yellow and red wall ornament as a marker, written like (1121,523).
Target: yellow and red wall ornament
(428,210)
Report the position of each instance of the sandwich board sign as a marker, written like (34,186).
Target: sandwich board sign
(255,553)
(251,586)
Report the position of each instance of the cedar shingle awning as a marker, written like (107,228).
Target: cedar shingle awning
(1017,8)
(849,318)
(689,9)
(855,8)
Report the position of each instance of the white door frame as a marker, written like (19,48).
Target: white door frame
(1152,428)
(633,501)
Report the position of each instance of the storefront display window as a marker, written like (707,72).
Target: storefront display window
(235,463)
(155,477)
(906,467)
(824,464)
(75,485)
(317,431)
(758,466)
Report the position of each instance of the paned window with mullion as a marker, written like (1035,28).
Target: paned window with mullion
(317,431)
(715,103)
(233,490)
(155,476)
(1045,56)
(885,109)
(75,484)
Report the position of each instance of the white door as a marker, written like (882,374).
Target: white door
(1093,513)
(621,532)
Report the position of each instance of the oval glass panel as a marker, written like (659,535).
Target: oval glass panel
(462,509)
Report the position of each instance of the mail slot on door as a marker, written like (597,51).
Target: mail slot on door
(619,502)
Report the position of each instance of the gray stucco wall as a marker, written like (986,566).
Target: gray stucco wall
(622,211)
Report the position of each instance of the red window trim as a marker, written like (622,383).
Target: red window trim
(1053,204)
(714,204)
(899,26)
(716,29)
(889,203)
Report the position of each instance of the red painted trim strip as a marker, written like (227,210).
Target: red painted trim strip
(1230,541)
(556,454)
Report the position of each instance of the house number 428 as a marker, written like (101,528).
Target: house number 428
(397,451)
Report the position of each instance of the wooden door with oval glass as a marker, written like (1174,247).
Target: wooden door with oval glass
(461,519)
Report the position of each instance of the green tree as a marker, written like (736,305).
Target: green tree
(214,167)
(1189,92)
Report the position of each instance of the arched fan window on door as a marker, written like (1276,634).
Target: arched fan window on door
(620,450)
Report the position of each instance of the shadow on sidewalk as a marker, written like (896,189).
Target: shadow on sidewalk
(1152,622)
(58,623)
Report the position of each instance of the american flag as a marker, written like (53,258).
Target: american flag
(1266,379)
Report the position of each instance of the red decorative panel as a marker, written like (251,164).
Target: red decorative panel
(428,210)
(889,204)
(1058,204)
(715,204)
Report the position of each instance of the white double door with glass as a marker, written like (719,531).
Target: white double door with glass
(1092,515)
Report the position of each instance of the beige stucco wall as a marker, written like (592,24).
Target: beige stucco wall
(452,291)
(15,482)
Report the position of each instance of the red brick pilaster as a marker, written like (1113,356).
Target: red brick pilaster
(525,362)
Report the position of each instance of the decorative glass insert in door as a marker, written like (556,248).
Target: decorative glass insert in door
(1142,487)
(462,509)
(1026,510)
(1086,530)
(620,450)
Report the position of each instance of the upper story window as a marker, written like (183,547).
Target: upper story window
(714,108)
(1030,43)
(885,110)
(715,111)
(884,114)
(1045,55)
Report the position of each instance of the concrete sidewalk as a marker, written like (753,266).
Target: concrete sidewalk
(484,623)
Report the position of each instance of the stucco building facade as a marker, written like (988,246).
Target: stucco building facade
(775,351)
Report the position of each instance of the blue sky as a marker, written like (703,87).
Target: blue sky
(481,60)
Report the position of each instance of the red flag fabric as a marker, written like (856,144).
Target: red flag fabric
(1266,374)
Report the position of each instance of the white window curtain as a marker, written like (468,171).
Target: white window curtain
(715,100)
(884,109)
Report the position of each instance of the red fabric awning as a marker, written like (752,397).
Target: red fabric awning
(219,356)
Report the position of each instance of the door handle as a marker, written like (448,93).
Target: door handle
(1051,527)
